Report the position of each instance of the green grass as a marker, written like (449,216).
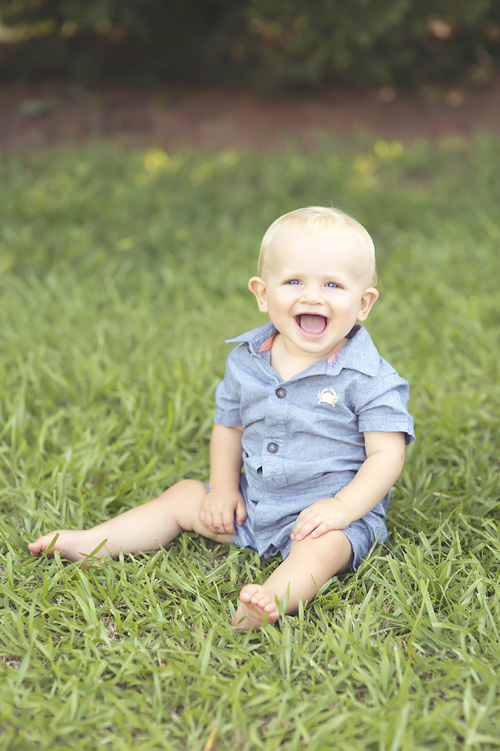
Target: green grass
(122,272)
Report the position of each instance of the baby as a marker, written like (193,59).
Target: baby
(317,419)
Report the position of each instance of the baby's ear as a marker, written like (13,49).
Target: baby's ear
(368,300)
(257,286)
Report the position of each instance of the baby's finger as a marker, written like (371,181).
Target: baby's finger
(325,526)
(213,522)
(218,523)
(229,528)
(303,528)
(241,512)
(206,518)
(296,531)
(227,522)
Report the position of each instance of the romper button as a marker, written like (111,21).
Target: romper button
(272,448)
(281,392)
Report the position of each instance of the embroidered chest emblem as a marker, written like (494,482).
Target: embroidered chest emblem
(328,396)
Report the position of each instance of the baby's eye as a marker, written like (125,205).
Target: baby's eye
(293,281)
(333,285)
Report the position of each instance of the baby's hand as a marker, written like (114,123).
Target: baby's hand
(321,517)
(221,508)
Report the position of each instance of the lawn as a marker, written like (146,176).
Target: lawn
(122,273)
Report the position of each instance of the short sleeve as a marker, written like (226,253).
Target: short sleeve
(384,407)
(228,397)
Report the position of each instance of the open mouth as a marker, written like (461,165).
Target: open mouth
(311,324)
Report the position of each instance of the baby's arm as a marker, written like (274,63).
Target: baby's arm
(385,454)
(224,501)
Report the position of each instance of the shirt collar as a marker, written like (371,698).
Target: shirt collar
(255,338)
(358,354)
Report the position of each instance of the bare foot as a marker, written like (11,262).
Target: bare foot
(74,545)
(258,606)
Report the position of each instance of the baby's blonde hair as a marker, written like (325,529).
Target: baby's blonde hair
(327,219)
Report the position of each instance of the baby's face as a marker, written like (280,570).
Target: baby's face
(314,286)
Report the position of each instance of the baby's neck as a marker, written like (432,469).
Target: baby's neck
(289,364)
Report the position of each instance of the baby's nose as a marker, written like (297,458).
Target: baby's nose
(313,295)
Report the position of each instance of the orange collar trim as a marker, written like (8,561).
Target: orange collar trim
(267,344)
(334,354)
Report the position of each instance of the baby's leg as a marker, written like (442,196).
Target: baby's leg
(141,529)
(311,562)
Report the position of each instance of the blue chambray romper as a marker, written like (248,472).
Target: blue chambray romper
(303,438)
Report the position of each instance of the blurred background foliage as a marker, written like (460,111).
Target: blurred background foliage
(256,44)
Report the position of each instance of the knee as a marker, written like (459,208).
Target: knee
(337,548)
(186,489)
(191,487)
(185,499)
(330,549)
